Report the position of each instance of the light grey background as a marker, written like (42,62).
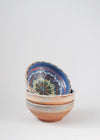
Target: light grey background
(66,33)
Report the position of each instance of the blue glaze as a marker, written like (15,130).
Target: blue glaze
(60,86)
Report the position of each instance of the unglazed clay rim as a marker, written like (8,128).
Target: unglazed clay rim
(51,96)
(45,105)
(45,95)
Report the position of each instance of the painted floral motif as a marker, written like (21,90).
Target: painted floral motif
(43,87)
(52,79)
(45,83)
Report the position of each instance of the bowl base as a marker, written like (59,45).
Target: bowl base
(50,116)
(53,120)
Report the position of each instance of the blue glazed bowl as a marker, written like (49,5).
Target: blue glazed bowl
(45,78)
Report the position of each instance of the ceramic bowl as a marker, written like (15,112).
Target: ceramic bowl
(50,100)
(49,113)
(46,79)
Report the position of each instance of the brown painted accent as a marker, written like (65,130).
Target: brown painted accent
(50,116)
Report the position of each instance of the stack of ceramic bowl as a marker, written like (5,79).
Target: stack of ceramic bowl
(48,95)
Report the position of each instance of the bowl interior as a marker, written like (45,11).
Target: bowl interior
(47,79)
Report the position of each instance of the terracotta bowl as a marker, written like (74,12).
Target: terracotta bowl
(50,100)
(44,78)
(48,95)
(49,113)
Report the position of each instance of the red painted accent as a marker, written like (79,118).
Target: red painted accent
(51,71)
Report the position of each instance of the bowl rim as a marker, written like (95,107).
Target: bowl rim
(46,105)
(50,96)
(50,64)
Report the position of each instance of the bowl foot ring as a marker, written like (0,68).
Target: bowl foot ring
(53,120)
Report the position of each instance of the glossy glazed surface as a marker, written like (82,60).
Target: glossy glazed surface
(47,79)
